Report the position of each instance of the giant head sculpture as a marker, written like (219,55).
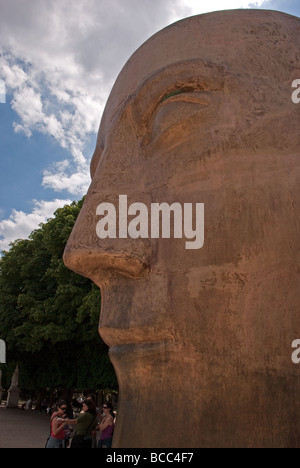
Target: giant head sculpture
(201,338)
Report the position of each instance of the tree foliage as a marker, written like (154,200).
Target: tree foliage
(49,315)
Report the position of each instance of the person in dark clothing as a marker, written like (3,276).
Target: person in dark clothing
(86,424)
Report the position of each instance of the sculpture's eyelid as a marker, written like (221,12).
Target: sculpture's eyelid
(176,92)
(196,95)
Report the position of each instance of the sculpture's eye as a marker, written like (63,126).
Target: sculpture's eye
(174,112)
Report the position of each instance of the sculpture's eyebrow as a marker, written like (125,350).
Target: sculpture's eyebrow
(177,78)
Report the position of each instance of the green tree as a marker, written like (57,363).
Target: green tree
(49,315)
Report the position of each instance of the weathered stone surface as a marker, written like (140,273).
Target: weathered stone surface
(201,340)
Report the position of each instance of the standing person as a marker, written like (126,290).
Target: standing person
(44,406)
(92,397)
(86,424)
(58,424)
(107,426)
(28,405)
(69,429)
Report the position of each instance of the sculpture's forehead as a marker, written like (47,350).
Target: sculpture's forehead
(249,42)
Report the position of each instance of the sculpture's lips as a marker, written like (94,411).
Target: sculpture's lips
(140,350)
(135,335)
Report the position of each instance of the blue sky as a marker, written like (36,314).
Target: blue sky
(58,62)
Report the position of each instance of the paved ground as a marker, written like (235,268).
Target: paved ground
(23,429)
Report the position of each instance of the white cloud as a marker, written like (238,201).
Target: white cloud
(28,105)
(20,224)
(13,75)
(62,176)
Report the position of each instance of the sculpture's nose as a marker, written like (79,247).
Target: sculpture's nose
(115,171)
(95,258)
(96,264)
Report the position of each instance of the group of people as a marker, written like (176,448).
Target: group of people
(87,424)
